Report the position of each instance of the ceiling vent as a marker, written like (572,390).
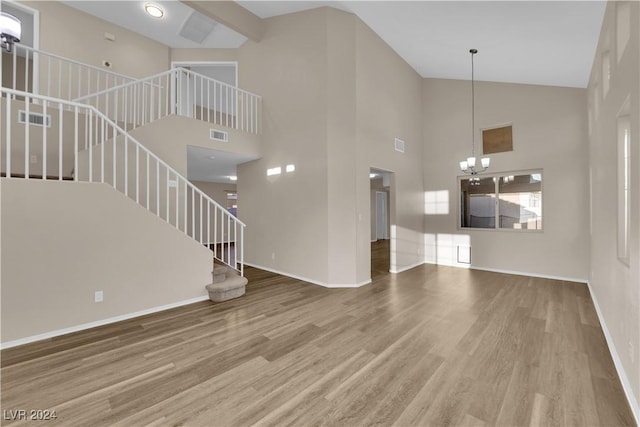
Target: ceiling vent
(399,144)
(197,27)
(218,135)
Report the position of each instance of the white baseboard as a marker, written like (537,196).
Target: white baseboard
(622,374)
(524,273)
(312,281)
(516,273)
(56,333)
(624,379)
(405,268)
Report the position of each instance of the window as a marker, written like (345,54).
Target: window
(623,26)
(502,201)
(624,181)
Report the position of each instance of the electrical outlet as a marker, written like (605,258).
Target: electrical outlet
(34,158)
(99,296)
(631,352)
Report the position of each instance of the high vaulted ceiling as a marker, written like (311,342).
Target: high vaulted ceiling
(532,42)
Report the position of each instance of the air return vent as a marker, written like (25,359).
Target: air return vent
(218,135)
(35,119)
(399,144)
(197,27)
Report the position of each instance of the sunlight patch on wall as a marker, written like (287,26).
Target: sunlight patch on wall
(436,202)
(448,249)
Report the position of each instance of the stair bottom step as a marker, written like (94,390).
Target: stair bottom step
(233,287)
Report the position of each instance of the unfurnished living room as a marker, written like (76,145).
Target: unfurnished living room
(345,213)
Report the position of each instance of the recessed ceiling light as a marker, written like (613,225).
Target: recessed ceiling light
(154,10)
(212,157)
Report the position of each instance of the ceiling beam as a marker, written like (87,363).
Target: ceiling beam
(232,15)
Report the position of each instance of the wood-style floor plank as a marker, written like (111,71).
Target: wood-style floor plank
(430,346)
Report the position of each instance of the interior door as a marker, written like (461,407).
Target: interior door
(381,215)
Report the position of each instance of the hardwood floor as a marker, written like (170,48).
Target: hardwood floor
(380,258)
(430,346)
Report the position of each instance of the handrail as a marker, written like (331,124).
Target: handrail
(36,71)
(115,126)
(106,130)
(217,81)
(162,74)
(73,61)
(181,92)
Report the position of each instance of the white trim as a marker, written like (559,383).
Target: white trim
(524,273)
(516,273)
(624,379)
(97,323)
(312,281)
(406,267)
(178,64)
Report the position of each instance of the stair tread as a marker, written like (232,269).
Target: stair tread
(232,282)
(219,269)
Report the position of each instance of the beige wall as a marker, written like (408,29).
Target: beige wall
(74,34)
(286,215)
(169,137)
(205,55)
(549,133)
(615,285)
(216,190)
(331,109)
(94,239)
(37,135)
(389,106)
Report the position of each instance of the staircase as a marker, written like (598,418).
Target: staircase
(226,285)
(79,132)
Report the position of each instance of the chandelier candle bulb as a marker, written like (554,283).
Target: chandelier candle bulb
(471,162)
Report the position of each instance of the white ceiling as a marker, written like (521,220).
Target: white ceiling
(131,15)
(204,164)
(532,42)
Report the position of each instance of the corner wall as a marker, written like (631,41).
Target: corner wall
(389,106)
(286,214)
(331,109)
(615,285)
(549,133)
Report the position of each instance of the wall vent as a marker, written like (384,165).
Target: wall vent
(399,144)
(219,135)
(35,119)
(464,254)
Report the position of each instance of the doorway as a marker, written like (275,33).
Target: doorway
(196,96)
(381,194)
(382,217)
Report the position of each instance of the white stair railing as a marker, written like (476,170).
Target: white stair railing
(48,138)
(34,71)
(182,92)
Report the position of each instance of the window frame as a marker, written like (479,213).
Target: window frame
(496,193)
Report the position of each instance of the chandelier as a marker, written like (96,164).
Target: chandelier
(469,166)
